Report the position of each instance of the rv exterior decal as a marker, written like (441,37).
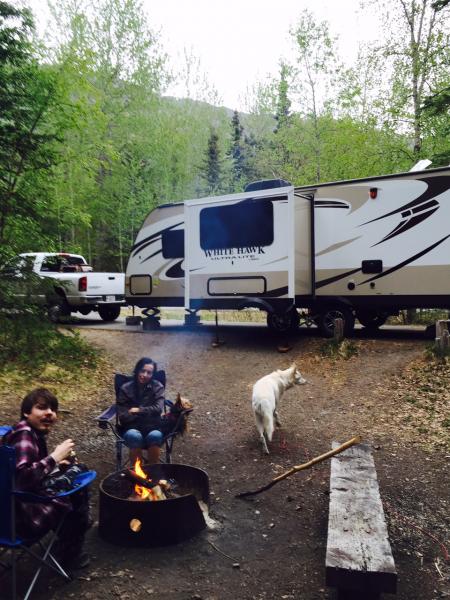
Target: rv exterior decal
(175,271)
(220,253)
(435,187)
(320,284)
(152,238)
(407,261)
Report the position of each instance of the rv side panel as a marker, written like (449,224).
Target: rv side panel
(155,270)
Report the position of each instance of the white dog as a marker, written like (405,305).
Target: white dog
(267,393)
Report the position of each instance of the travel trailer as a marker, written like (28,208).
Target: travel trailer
(363,248)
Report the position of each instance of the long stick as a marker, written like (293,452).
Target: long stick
(314,461)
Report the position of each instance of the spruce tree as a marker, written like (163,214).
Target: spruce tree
(212,165)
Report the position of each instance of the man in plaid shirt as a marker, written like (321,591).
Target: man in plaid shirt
(33,464)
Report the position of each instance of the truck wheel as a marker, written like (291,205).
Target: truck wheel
(372,319)
(283,322)
(109,313)
(57,311)
(325,320)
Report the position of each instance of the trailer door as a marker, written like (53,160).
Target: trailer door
(240,248)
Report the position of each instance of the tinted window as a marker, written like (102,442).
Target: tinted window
(173,243)
(248,223)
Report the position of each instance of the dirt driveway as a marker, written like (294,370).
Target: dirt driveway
(272,546)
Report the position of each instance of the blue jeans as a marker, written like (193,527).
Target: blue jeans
(134,438)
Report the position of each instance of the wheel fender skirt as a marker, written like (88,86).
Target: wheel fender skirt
(256,303)
(263,305)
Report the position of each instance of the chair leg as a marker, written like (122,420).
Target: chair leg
(118,455)
(44,561)
(13,575)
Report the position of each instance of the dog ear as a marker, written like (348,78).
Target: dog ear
(178,400)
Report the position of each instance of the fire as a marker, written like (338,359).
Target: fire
(143,492)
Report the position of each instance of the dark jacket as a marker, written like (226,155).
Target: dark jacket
(151,403)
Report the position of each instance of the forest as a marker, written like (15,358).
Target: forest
(89,142)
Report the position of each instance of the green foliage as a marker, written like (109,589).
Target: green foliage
(212,167)
(27,337)
(27,132)
(436,353)
(344,349)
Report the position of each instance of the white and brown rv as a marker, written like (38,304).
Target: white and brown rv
(362,248)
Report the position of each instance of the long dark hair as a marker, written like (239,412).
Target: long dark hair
(137,368)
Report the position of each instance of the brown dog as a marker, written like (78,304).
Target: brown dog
(180,405)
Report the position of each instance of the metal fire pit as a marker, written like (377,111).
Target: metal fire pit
(153,523)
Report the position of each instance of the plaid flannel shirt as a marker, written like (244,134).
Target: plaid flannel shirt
(33,464)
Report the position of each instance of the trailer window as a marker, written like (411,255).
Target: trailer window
(173,243)
(247,223)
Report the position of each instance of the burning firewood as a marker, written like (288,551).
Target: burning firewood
(147,483)
(309,464)
(145,488)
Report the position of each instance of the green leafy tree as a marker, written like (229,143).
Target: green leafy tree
(415,53)
(28,131)
(315,67)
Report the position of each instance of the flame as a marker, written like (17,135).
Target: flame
(144,493)
(141,491)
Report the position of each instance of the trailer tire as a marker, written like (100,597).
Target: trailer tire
(58,310)
(325,320)
(371,319)
(283,322)
(109,313)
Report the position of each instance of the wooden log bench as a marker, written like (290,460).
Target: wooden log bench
(359,560)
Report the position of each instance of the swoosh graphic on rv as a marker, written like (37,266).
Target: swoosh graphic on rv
(336,246)
(406,262)
(175,271)
(436,186)
(151,238)
(336,278)
(410,222)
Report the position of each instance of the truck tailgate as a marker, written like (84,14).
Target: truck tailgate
(101,284)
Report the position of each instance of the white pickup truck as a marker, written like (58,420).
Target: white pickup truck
(76,287)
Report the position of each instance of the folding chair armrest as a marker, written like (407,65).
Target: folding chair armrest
(81,481)
(106,416)
(4,429)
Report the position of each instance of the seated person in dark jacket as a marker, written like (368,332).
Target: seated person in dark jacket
(38,414)
(140,405)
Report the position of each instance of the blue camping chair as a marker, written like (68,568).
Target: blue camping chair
(109,418)
(9,541)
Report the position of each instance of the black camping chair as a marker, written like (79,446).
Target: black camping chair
(109,418)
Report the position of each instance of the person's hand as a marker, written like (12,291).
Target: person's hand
(62,451)
(134,411)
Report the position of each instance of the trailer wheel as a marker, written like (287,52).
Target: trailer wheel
(58,310)
(283,322)
(325,320)
(109,313)
(372,319)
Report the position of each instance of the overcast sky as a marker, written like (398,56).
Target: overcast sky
(239,42)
